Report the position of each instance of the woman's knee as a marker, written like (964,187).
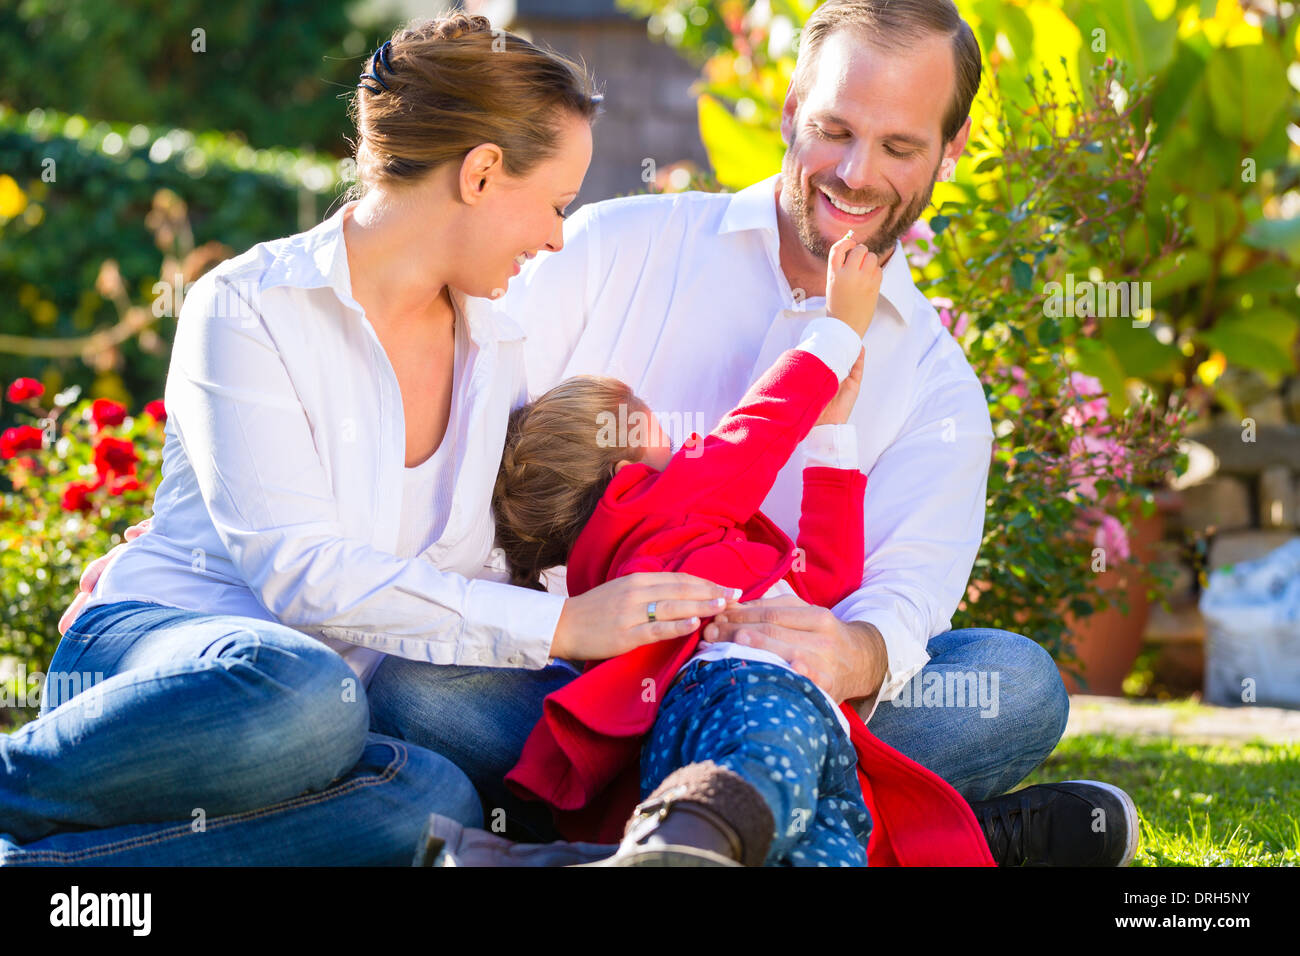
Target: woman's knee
(301,700)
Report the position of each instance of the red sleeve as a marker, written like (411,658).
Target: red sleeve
(831,541)
(730,472)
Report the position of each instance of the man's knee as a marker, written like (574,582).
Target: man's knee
(1033,698)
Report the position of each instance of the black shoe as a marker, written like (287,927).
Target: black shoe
(1074,823)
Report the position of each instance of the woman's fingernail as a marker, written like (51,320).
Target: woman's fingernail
(736,593)
(710,632)
(720,618)
(719,602)
(694,623)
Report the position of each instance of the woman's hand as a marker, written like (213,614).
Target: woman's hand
(92,572)
(612,619)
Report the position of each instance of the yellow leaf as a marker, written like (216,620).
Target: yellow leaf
(1209,370)
(12,198)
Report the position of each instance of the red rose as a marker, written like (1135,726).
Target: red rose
(76,497)
(24,388)
(115,456)
(107,412)
(22,438)
(122,484)
(156,410)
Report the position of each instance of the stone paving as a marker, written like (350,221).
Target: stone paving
(1185,720)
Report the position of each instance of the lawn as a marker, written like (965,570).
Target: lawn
(1199,804)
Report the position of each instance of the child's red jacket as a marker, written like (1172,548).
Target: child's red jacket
(701,516)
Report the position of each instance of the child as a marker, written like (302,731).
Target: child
(739,755)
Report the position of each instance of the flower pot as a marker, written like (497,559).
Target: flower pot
(1108,643)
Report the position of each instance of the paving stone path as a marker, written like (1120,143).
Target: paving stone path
(1188,721)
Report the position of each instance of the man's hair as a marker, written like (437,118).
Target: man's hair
(891,25)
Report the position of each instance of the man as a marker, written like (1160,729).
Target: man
(688,298)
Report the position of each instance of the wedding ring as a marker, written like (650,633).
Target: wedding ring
(650,610)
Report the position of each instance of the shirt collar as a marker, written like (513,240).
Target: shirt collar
(754,208)
(318,259)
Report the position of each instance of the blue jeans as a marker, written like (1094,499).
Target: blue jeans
(479,718)
(775,729)
(176,737)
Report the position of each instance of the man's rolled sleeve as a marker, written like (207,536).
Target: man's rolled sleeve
(904,649)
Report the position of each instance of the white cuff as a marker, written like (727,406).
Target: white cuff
(831,446)
(832,341)
(905,657)
(517,625)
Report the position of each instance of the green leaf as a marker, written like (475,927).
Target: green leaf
(1022,274)
(1279,235)
(1248,89)
(1261,339)
(740,154)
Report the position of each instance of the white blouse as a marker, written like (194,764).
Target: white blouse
(428,488)
(283,472)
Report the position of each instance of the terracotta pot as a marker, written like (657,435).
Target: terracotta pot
(1107,643)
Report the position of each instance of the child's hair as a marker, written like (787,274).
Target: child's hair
(554,470)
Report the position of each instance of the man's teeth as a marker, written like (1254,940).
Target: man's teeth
(845,207)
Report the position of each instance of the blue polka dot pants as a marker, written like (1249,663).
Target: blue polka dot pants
(774,728)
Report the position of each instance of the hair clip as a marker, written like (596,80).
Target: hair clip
(380,55)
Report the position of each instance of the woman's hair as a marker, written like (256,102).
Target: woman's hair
(438,89)
(557,463)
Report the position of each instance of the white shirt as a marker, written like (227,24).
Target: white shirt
(428,489)
(283,464)
(682,296)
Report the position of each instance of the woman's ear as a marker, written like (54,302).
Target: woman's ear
(619,467)
(481,165)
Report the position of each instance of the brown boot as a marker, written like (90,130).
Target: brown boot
(701,815)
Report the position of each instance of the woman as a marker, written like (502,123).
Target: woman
(336,409)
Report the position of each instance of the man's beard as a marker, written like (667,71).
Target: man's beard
(803,213)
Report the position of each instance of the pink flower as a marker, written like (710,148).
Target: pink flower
(919,230)
(1093,457)
(1020,390)
(1086,401)
(1112,537)
(957,323)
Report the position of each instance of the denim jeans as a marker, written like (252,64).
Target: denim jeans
(775,729)
(479,718)
(175,737)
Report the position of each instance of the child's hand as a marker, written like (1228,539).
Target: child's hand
(837,412)
(853,276)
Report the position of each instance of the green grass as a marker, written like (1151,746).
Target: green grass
(1198,804)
